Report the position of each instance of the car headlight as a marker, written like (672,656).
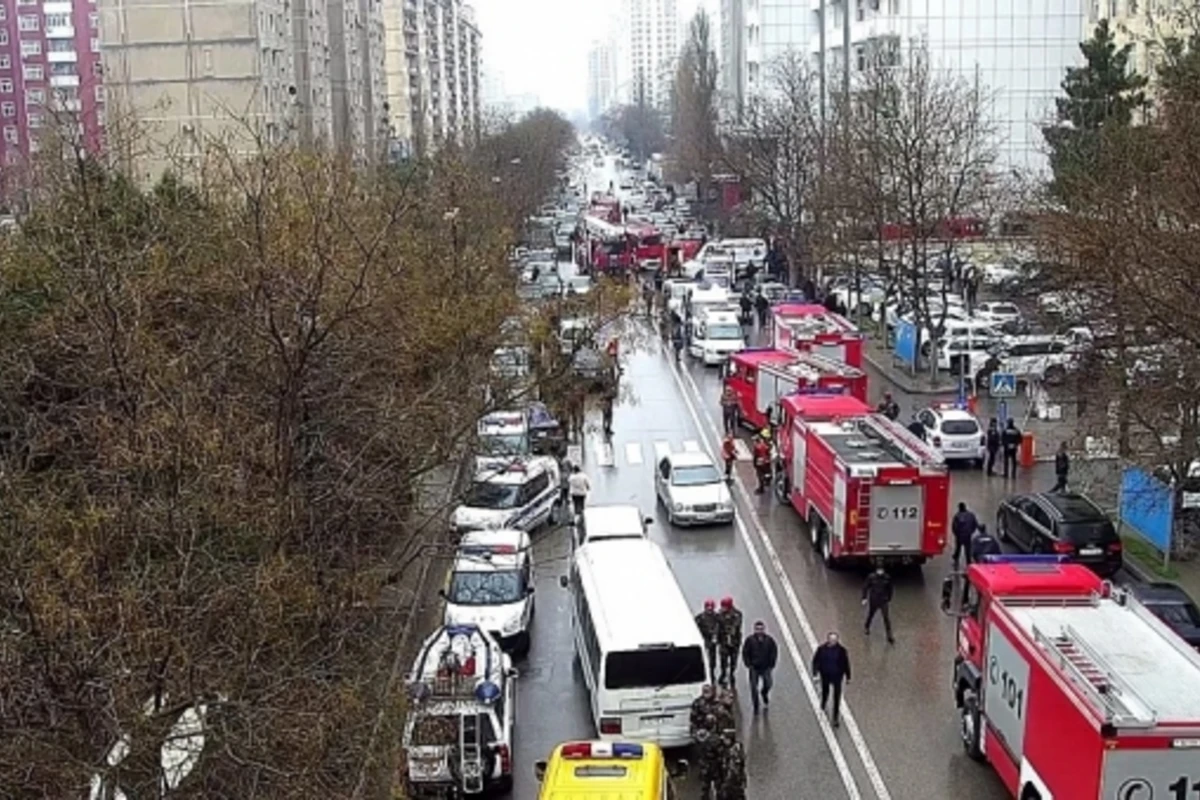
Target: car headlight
(726,504)
(680,507)
(512,626)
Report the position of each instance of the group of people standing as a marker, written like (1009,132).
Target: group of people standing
(720,756)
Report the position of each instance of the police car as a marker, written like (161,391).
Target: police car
(491,586)
(503,437)
(522,494)
(954,432)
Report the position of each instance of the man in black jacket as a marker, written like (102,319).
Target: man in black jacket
(963,526)
(759,654)
(1011,441)
(877,596)
(1062,465)
(831,664)
(984,544)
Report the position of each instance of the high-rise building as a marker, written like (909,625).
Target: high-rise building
(50,73)
(235,71)
(433,70)
(651,47)
(357,76)
(1145,25)
(753,35)
(1018,50)
(602,79)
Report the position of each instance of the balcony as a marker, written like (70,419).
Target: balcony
(62,57)
(64,81)
(60,32)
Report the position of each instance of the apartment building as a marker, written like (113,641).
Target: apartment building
(432,51)
(754,35)
(602,78)
(1019,50)
(650,29)
(358,96)
(1145,24)
(50,75)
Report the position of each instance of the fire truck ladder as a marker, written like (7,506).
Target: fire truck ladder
(864,512)
(470,754)
(1087,669)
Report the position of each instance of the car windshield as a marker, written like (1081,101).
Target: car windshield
(485,588)
(1178,614)
(724,332)
(959,427)
(700,475)
(665,666)
(487,494)
(513,444)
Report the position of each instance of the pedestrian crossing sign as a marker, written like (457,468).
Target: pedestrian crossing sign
(1003,384)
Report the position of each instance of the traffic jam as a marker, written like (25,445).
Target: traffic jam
(736,478)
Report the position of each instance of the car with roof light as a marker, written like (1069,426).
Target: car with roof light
(491,586)
(716,334)
(1064,523)
(522,494)
(692,489)
(954,432)
(602,769)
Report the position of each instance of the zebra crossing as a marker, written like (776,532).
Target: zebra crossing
(610,453)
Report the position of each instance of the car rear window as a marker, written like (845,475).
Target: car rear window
(1091,532)
(960,427)
(654,667)
(1179,614)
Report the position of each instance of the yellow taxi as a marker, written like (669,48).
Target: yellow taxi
(607,771)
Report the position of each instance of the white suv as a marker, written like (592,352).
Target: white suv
(523,494)
(491,586)
(955,433)
(1037,358)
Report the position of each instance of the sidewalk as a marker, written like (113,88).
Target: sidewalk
(1145,564)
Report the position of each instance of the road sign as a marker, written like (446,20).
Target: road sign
(906,342)
(1003,384)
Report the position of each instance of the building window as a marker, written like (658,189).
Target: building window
(97,69)
(5,62)
(8,109)
(60,46)
(28,22)
(99,94)
(10,134)
(31,47)
(893,6)
(35,96)
(62,69)
(33,72)
(3,35)
(35,120)
(95,44)
(3,12)
(6,86)
(58,20)
(860,10)
(93,21)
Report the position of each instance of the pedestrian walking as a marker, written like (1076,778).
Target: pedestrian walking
(889,407)
(703,708)
(1010,440)
(993,445)
(729,408)
(762,305)
(677,341)
(606,409)
(729,454)
(984,544)
(762,460)
(709,624)
(831,665)
(760,654)
(733,768)
(710,760)
(1062,466)
(729,638)
(963,526)
(877,597)
(578,487)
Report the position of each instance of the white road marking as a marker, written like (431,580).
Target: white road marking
(691,446)
(603,451)
(661,450)
(742,450)
(633,453)
(856,737)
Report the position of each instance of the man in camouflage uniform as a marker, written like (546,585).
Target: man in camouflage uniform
(703,708)
(709,624)
(723,712)
(729,639)
(732,785)
(710,758)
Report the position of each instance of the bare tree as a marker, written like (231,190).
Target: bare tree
(915,152)
(776,151)
(694,105)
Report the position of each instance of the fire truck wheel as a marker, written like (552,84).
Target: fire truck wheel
(814,530)
(970,730)
(781,487)
(827,550)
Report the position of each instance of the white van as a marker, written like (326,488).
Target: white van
(491,586)
(523,494)
(716,334)
(643,670)
(612,522)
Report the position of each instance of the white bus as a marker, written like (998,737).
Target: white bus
(639,649)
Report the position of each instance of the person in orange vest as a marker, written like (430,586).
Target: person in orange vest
(762,460)
(729,453)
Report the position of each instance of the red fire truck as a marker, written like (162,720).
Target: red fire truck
(1071,688)
(803,327)
(650,247)
(761,376)
(604,247)
(868,489)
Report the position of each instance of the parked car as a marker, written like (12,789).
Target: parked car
(1173,606)
(997,311)
(1066,523)
(1036,358)
(954,432)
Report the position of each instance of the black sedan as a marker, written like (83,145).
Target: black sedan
(1172,605)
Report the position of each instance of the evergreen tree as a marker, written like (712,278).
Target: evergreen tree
(1102,93)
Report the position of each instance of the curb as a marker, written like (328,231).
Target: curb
(1137,571)
(907,386)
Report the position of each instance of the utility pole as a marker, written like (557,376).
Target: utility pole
(846,50)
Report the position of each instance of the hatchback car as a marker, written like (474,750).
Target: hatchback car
(1069,524)
(1173,606)
(955,433)
(692,489)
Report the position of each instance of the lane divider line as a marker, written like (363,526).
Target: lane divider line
(691,445)
(856,736)
(662,449)
(785,629)
(633,453)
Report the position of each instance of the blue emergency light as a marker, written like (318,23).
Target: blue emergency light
(1025,559)
(627,750)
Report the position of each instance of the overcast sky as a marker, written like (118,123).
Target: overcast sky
(540,46)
